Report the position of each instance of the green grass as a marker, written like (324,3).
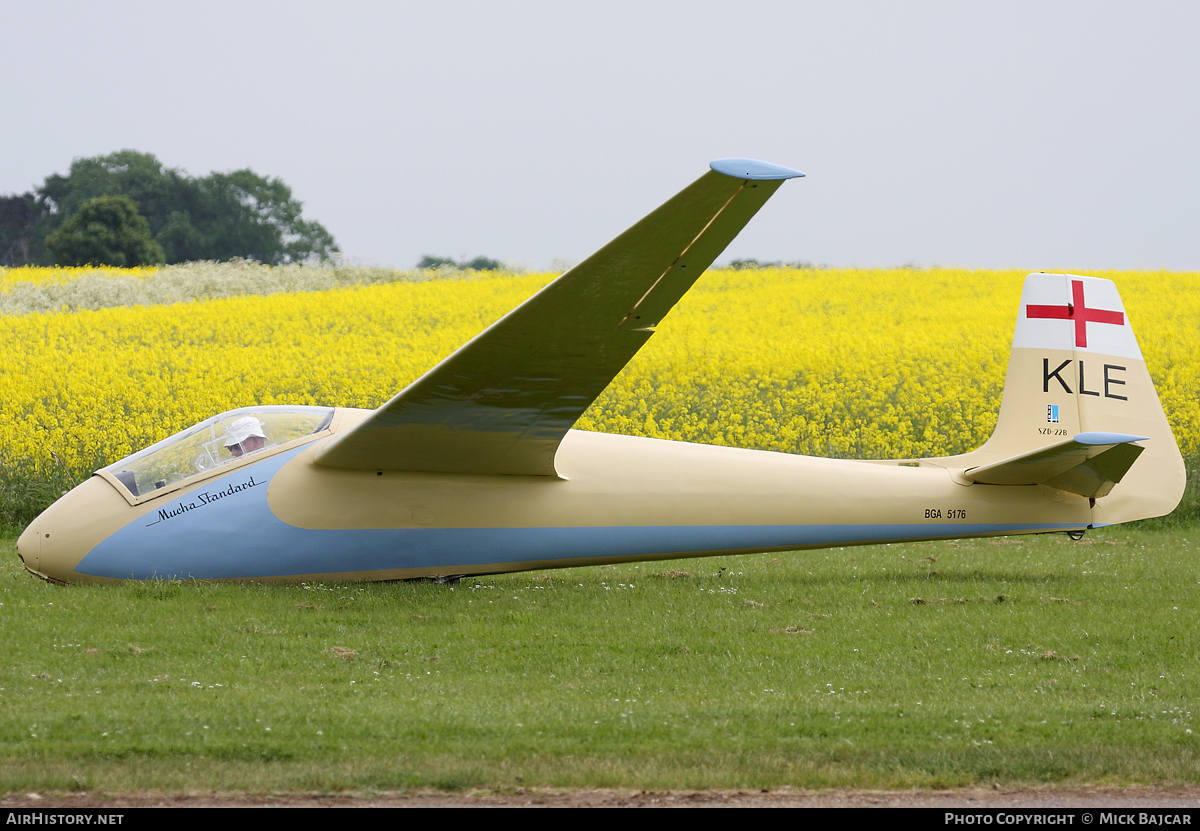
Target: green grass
(926,665)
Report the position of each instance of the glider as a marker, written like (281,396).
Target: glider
(475,469)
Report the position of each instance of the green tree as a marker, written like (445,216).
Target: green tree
(478,264)
(20,241)
(484,264)
(430,261)
(259,218)
(107,230)
(140,176)
(221,216)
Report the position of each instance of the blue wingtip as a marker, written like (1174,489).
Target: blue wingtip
(753,169)
(1107,438)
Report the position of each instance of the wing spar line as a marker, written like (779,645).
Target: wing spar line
(502,402)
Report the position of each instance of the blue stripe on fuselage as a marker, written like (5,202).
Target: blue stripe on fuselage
(226,530)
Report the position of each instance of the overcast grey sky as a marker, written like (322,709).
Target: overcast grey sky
(1035,135)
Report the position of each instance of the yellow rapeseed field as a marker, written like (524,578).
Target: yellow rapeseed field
(840,362)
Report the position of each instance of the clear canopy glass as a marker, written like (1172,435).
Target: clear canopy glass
(214,442)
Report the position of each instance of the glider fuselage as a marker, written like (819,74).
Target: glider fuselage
(617,498)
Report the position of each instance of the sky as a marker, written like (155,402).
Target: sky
(1032,135)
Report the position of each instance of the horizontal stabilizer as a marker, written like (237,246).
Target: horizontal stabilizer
(1089,465)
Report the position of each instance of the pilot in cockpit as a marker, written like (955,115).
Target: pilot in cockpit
(245,436)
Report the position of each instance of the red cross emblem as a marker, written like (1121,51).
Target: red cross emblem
(1077,312)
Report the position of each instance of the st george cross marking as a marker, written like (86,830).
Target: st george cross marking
(1077,312)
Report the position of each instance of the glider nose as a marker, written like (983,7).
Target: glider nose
(29,546)
(54,543)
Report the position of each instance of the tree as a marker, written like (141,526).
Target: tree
(20,241)
(484,264)
(478,264)
(430,261)
(107,230)
(259,219)
(140,176)
(221,216)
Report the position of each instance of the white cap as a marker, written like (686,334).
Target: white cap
(243,429)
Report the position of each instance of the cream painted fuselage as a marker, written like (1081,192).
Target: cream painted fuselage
(284,517)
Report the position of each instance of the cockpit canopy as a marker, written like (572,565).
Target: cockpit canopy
(217,441)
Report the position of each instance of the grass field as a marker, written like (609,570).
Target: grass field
(925,665)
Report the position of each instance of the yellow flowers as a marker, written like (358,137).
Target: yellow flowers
(868,363)
(839,362)
(93,386)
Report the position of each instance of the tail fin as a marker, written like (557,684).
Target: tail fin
(1076,369)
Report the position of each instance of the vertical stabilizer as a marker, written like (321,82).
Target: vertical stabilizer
(1076,368)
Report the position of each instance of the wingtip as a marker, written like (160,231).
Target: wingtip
(753,169)
(1106,438)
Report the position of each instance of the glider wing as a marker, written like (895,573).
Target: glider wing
(502,402)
